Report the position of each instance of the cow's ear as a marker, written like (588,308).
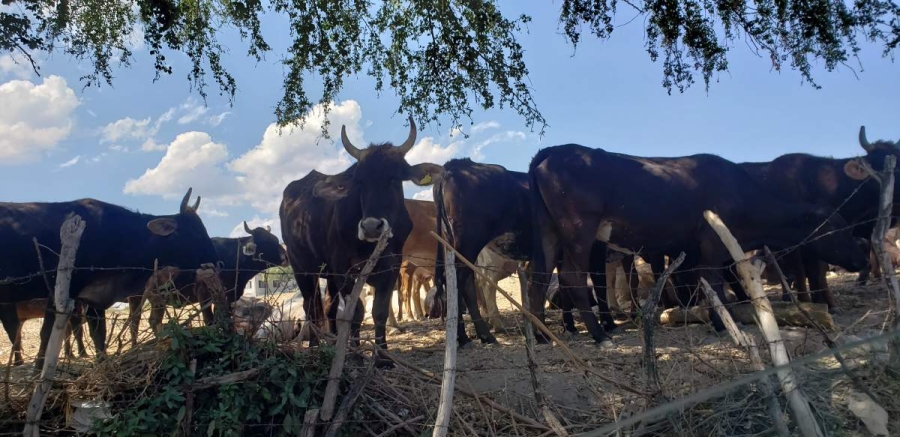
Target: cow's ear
(332,188)
(425,174)
(855,170)
(162,226)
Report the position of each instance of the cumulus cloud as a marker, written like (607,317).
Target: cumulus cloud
(426,150)
(503,137)
(258,177)
(193,159)
(34,118)
(281,158)
(126,129)
(145,130)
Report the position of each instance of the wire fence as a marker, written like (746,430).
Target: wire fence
(708,386)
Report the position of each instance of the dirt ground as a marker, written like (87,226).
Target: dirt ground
(690,358)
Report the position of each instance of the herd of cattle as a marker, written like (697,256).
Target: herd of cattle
(577,210)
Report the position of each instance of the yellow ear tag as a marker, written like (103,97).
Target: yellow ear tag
(425,180)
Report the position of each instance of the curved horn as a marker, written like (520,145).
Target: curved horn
(407,145)
(196,204)
(184,202)
(268,228)
(862,139)
(247,228)
(348,146)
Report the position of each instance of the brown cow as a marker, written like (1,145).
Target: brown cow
(34,309)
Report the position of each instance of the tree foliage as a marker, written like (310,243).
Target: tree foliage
(441,57)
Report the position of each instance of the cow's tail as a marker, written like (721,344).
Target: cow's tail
(442,222)
(541,267)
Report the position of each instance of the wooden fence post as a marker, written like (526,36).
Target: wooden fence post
(343,327)
(442,423)
(885,206)
(750,276)
(70,237)
(554,423)
(744,340)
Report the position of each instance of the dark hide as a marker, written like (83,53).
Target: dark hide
(582,195)
(114,258)
(330,225)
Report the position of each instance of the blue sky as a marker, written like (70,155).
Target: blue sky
(141,144)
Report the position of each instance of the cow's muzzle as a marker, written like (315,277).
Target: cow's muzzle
(370,228)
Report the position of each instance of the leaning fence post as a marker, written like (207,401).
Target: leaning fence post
(750,277)
(742,339)
(885,206)
(442,423)
(343,327)
(554,423)
(70,237)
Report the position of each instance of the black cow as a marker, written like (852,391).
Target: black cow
(330,225)
(115,255)
(581,195)
(841,185)
(238,259)
(486,204)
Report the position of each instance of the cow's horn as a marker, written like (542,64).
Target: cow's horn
(184,202)
(407,145)
(196,204)
(862,139)
(348,146)
(268,228)
(247,228)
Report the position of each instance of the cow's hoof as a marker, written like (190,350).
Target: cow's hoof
(613,329)
(834,311)
(501,330)
(570,335)
(540,338)
(384,363)
(489,339)
(604,344)
(17,363)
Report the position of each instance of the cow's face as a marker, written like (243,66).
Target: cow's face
(263,246)
(183,240)
(249,313)
(375,183)
(876,152)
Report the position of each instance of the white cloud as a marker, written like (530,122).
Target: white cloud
(483,126)
(212,212)
(507,137)
(426,150)
(192,160)
(34,118)
(126,129)
(256,222)
(192,111)
(425,194)
(279,159)
(118,148)
(15,66)
(99,157)
(70,162)
(216,120)
(152,146)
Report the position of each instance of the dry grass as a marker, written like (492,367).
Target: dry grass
(690,359)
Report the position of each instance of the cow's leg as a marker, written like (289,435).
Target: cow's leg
(312,304)
(46,330)
(11,324)
(630,268)
(97,326)
(566,305)
(416,297)
(818,282)
(406,283)
(486,290)
(383,285)
(466,284)
(134,317)
(572,272)
(77,323)
(598,277)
